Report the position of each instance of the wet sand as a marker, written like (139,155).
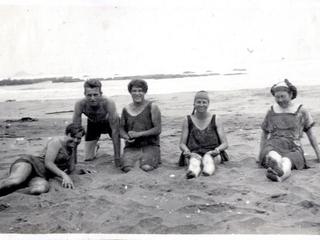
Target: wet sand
(237,199)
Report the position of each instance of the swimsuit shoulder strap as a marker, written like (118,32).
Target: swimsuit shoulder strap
(298,109)
(213,121)
(272,110)
(189,122)
(149,107)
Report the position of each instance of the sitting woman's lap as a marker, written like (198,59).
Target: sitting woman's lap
(295,154)
(147,155)
(216,159)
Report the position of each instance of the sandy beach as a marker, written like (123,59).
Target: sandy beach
(237,199)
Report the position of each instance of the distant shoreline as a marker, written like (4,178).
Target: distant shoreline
(12,82)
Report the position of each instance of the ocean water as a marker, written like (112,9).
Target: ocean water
(258,76)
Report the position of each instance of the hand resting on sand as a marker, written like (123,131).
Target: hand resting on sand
(67,182)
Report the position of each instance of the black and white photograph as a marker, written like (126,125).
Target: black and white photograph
(139,119)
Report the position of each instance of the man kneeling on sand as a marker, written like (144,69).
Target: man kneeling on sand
(140,126)
(102,117)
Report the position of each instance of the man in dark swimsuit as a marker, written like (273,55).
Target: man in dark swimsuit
(102,117)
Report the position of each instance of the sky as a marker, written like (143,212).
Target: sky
(106,38)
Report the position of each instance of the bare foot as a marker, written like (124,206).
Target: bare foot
(90,159)
(272,175)
(272,163)
(190,175)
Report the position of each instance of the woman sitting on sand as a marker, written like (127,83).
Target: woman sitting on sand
(57,159)
(283,127)
(203,141)
(140,126)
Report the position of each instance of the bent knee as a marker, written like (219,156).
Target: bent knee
(126,169)
(38,186)
(147,167)
(39,190)
(275,155)
(195,161)
(13,181)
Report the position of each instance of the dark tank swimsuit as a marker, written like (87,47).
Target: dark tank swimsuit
(139,123)
(285,131)
(38,165)
(97,121)
(201,141)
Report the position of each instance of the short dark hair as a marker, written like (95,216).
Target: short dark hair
(92,83)
(140,83)
(74,129)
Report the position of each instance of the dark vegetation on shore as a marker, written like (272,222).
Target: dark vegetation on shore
(10,82)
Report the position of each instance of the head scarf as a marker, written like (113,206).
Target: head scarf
(202,95)
(285,86)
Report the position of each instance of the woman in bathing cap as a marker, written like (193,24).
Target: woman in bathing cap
(282,130)
(203,140)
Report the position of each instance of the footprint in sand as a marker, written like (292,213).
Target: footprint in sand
(279,197)
(226,192)
(195,198)
(4,206)
(146,225)
(314,207)
(149,187)
(58,229)
(307,224)
(117,188)
(187,229)
(251,224)
(212,208)
(150,223)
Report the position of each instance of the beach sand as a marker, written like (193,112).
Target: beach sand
(237,199)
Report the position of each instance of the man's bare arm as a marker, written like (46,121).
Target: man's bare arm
(114,122)
(77,113)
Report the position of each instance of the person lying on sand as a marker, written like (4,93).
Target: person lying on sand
(282,130)
(203,141)
(102,118)
(58,158)
(140,127)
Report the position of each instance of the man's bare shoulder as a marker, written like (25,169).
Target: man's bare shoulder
(55,141)
(108,104)
(81,102)
(106,100)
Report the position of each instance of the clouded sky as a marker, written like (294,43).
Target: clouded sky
(103,38)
